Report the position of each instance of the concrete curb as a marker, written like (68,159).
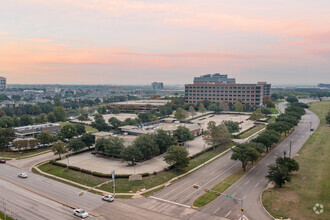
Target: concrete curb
(262,204)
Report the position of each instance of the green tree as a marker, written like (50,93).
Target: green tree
(6,135)
(6,122)
(192,111)
(100,124)
(165,111)
(147,146)
(114,147)
(224,105)
(114,122)
(232,126)
(102,109)
(238,106)
(44,138)
(164,140)
(280,127)
(278,174)
(266,111)
(59,148)
(183,134)
(214,108)
(145,117)
(181,114)
(88,139)
(51,117)
(256,115)
(292,99)
(245,154)
(21,144)
(216,135)
(269,103)
(76,144)
(327,118)
(83,117)
(69,131)
(291,164)
(154,118)
(131,154)
(59,113)
(16,98)
(201,108)
(267,138)
(101,144)
(26,120)
(177,156)
(115,111)
(80,129)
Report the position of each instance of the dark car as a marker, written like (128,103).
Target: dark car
(2,161)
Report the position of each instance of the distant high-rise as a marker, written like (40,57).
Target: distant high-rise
(157,85)
(3,83)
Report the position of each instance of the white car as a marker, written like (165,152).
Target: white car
(22,175)
(108,198)
(80,213)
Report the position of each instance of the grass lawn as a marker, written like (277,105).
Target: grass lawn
(311,184)
(271,120)
(278,101)
(88,128)
(123,185)
(251,131)
(274,110)
(150,193)
(27,153)
(208,197)
(2,216)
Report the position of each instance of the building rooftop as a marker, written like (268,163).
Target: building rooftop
(143,102)
(30,127)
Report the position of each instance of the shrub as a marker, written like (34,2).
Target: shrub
(75,168)
(59,164)
(86,171)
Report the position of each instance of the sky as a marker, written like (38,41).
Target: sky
(139,42)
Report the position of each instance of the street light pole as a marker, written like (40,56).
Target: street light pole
(290,150)
(134,165)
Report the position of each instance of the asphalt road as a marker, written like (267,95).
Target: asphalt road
(254,182)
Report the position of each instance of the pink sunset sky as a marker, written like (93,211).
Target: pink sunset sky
(138,42)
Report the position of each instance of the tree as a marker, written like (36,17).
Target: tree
(183,134)
(59,113)
(232,126)
(265,111)
(26,120)
(275,96)
(102,109)
(201,108)
(69,131)
(292,99)
(116,110)
(280,127)
(147,146)
(278,174)
(327,118)
(177,156)
(51,117)
(154,118)
(59,148)
(289,163)
(6,135)
(165,111)
(244,153)
(88,139)
(238,106)
(114,122)
(214,108)
(164,140)
(267,138)
(21,144)
(181,114)
(114,147)
(145,117)
(6,122)
(83,117)
(101,144)
(131,154)
(80,129)
(192,111)
(44,138)
(16,98)
(224,105)
(269,103)
(216,135)
(100,124)
(76,144)
(256,115)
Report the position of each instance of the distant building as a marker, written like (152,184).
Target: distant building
(32,131)
(138,105)
(157,85)
(53,89)
(220,88)
(3,83)
(322,85)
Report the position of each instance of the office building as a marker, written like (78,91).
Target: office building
(3,83)
(157,85)
(138,105)
(32,131)
(220,88)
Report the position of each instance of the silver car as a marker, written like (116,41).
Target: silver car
(108,198)
(80,213)
(22,175)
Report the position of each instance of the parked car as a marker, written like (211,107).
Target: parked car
(108,198)
(22,175)
(312,129)
(80,213)
(2,160)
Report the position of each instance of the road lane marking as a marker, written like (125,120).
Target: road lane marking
(228,213)
(216,210)
(174,203)
(256,184)
(175,188)
(247,182)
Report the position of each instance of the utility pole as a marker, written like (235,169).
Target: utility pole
(114,183)
(204,155)
(290,150)
(134,165)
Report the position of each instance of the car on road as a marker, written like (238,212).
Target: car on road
(108,198)
(22,175)
(312,129)
(2,160)
(80,213)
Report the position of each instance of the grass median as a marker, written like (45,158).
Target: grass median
(122,184)
(251,131)
(311,184)
(25,153)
